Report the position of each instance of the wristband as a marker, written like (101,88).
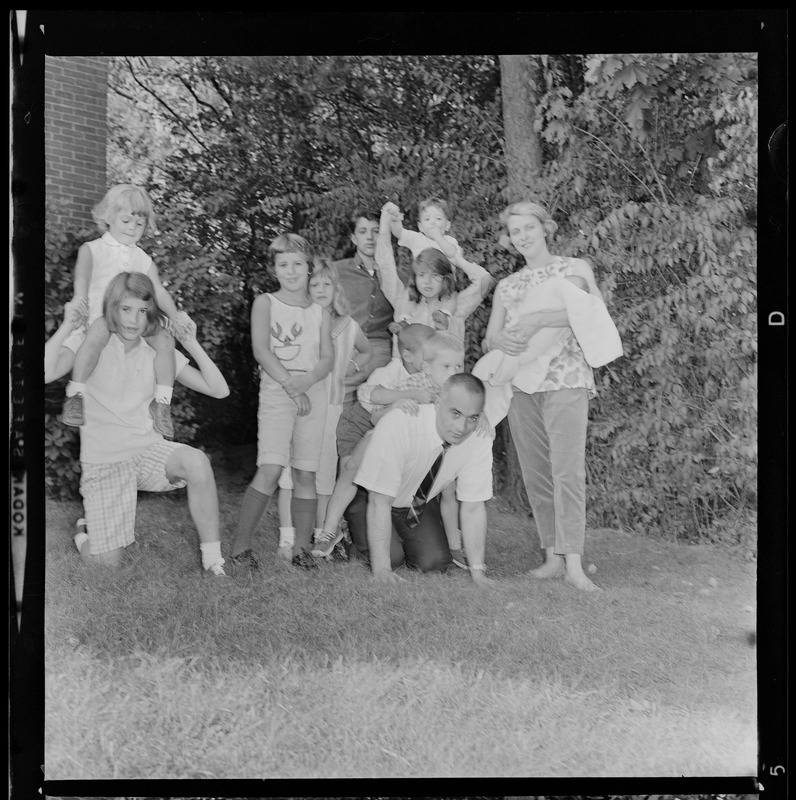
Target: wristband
(478,567)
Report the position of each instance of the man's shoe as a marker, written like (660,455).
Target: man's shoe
(161,414)
(459,558)
(72,412)
(215,571)
(245,560)
(326,541)
(304,560)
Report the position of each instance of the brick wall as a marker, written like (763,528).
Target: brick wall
(75,132)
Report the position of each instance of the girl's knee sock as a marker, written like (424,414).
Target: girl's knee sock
(251,510)
(303,511)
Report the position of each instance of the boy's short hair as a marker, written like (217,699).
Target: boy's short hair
(411,337)
(364,213)
(124,197)
(134,284)
(434,201)
(289,243)
(441,341)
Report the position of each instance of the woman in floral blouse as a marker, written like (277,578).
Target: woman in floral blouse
(548,414)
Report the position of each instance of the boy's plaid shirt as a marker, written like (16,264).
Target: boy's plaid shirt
(418,380)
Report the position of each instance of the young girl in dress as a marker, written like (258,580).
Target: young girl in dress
(352,352)
(292,342)
(124,215)
(430,296)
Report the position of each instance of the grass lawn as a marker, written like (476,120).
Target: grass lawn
(153,672)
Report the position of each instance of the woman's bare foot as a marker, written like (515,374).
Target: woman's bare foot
(552,568)
(581,582)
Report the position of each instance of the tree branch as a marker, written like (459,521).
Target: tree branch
(643,150)
(165,105)
(221,92)
(198,100)
(618,159)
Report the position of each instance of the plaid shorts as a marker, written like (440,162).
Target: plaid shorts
(110,494)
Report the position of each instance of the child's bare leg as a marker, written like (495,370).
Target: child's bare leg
(285,496)
(344,492)
(323,504)
(88,353)
(191,465)
(287,533)
(113,558)
(165,367)
(86,359)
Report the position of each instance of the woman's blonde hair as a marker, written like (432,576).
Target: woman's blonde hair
(524,208)
(323,267)
(124,197)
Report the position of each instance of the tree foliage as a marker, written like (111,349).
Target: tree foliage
(653,168)
(648,165)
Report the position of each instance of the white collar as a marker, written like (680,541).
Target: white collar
(106,237)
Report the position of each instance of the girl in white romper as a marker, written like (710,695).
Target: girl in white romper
(292,342)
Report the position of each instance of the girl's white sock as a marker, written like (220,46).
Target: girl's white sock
(287,537)
(211,554)
(163,393)
(73,388)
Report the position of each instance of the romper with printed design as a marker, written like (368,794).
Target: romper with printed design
(294,338)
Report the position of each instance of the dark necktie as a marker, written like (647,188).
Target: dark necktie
(421,495)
